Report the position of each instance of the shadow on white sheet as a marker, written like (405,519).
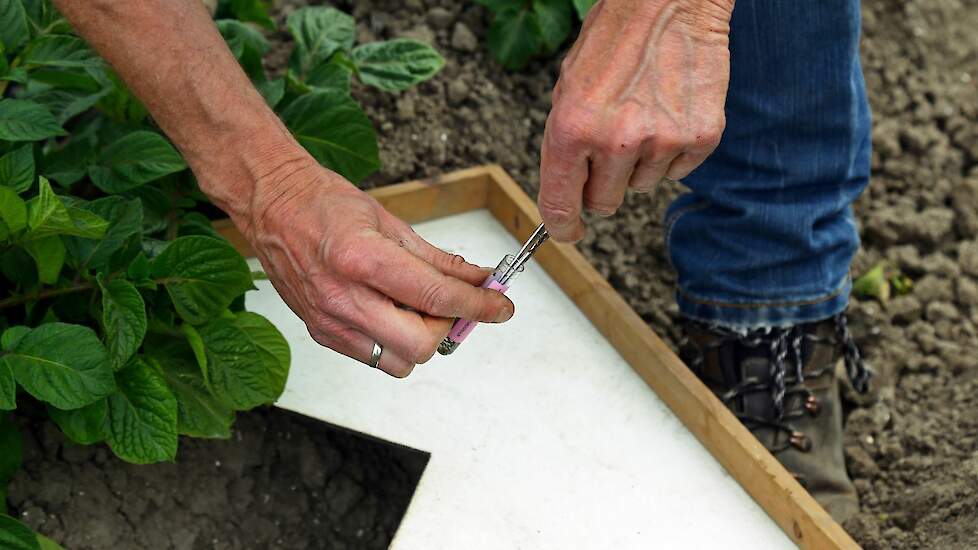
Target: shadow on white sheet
(541,435)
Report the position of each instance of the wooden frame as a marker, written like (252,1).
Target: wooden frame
(760,474)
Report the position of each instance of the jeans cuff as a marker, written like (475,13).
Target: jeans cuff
(748,316)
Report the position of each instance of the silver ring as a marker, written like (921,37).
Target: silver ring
(375,355)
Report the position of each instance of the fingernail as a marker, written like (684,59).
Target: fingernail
(505,314)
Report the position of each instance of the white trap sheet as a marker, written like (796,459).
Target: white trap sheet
(541,436)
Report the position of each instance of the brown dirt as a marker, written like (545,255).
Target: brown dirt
(911,446)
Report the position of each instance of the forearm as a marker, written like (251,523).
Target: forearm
(172,57)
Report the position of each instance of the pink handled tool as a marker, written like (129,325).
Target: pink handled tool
(500,279)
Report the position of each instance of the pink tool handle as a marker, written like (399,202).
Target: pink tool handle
(462,327)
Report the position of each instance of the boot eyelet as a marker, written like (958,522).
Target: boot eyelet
(801,441)
(813,406)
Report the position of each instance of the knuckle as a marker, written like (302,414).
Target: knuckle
(423,352)
(434,300)
(602,207)
(570,128)
(556,213)
(351,262)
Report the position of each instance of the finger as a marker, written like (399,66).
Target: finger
(451,265)
(563,172)
(411,281)
(356,345)
(609,177)
(408,334)
(685,163)
(648,173)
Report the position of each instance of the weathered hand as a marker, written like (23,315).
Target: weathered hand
(640,97)
(345,265)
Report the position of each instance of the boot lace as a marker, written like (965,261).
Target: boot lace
(783,347)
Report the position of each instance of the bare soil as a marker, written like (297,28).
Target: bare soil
(911,446)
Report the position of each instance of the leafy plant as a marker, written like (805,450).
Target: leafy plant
(121,308)
(881,282)
(522,29)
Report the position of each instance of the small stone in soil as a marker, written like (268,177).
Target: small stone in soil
(463,39)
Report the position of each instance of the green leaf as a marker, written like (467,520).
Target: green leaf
(61,364)
(272,345)
(202,275)
(60,50)
(47,544)
(255,11)
(133,160)
(47,215)
(199,413)
(12,445)
(123,319)
(13,25)
(318,32)
(86,224)
(554,19)
(138,269)
(396,64)
(67,165)
(196,344)
(66,104)
(583,7)
(142,416)
(13,210)
(514,37)
(23,120)
(125,224)
(330,76)
(10,337)
(335,130)
(247,44)
(17,168)
(49,256)
(84,426)
(244,361)
(272,90)
(18,268)
(14,535)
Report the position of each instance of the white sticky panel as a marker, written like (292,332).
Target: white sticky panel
(540,435)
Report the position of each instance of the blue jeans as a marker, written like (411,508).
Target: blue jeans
(766,234)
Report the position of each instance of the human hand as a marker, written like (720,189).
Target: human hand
(345,265)
(640,97)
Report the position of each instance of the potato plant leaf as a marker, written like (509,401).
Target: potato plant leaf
(330,76)
(514,37)
(49,256)
(397,64)
(554,19)
(61,364)
(202,275)
(60,50)
(123,320)
(335,130)
(84,426)
(582,7)
(199,412)
(14,535)
(24,120)
(8,388)
(14,31)
(12,335)
(142,416)
(231,345)
(13,210)
(133,160)
(318,32)
(17,168)
(125,222)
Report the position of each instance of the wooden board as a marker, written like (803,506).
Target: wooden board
(757,471)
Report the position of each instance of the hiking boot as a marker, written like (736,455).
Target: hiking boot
(783,384)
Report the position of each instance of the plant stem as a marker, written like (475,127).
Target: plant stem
(43,294)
